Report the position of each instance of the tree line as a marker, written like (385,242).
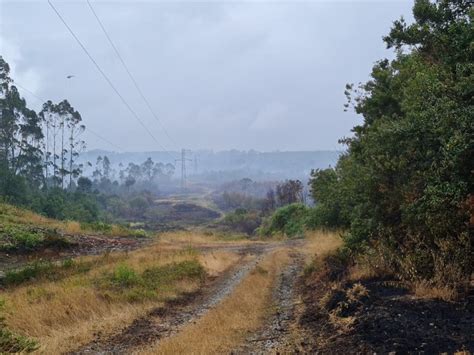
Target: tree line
(41,147)
(403,190)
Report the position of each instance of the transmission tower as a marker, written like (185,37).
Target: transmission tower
(195,165)
(183,161)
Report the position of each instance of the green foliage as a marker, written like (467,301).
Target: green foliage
(16,237)
(45,270)
(100,227)
(31,175)
(11,342)
(243,221)
(124,283)
(125,276)
(403,187)
(13,188)
(29,272)
(161,275)
(60,204)
(289,220)
(138,233)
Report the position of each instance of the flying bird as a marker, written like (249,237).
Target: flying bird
(70,76)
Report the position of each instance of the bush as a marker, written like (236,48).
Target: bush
(19,238)
(403,189)
(289,220)
(125,276)
(243,221)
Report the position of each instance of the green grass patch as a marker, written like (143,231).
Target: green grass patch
(126,284)
(26,238)
(14,343)
(11,342)
(19,237)
(289,220)
(100,227)
(47,270)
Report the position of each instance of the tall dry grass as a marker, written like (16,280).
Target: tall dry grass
(198,238)
(65,314)
(225,327)
(320,243)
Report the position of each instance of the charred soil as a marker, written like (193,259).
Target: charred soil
(380,316)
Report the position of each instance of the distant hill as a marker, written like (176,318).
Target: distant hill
(231,164)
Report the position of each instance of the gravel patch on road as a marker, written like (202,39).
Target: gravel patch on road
(274,335)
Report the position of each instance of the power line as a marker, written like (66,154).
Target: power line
(29,92)
(132,78)
(86,128)
(107,79)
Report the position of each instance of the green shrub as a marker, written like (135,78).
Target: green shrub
(138,233)
(289,220)
(125,276)
(19,237)
(242,221)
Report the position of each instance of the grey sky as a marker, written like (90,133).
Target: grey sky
(244,75)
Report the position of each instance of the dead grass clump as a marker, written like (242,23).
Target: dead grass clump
(72,227)
(218,261)
(340,304)
(425,290)
(357,292)
(320,243)
(227,325)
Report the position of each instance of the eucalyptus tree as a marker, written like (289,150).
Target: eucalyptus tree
(71,129)
(63,128)
(20,130)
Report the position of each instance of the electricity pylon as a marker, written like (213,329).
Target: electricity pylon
(183,161)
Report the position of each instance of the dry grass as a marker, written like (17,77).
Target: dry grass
(64,314)
(217,262)
(426,291)
(72,227)
(359,272)
(198,238)
(226,326)
(321,243)
(20,216)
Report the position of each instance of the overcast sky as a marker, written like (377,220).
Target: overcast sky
(228,75)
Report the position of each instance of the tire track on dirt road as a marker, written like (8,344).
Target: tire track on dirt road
(275,334)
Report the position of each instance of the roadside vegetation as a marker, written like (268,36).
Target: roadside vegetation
(23,231)
(223,328)
(57,306)
(402,192)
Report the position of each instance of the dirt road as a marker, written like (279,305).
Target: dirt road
(275,334)
(168,320)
